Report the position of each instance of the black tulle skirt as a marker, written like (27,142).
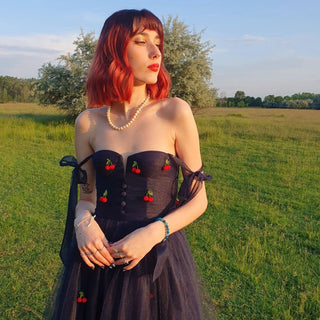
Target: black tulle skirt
(162,286)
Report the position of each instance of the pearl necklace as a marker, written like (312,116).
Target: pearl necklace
(125,126)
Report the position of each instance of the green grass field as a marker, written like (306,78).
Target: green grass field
(257,246)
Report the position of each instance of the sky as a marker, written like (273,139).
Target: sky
(260,47)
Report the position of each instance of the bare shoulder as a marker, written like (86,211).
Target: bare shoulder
(85,128)
(87,119)
(177,109)
(185,133)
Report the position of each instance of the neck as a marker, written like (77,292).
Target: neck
(139,93)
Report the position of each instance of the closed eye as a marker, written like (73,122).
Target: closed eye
(140,42)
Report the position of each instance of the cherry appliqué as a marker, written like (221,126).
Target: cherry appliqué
(104,198)
(135,168)
(109,165)
(81,298)
(148,197)
(177,202)
(167,165)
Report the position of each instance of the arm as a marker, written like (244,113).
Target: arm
(87,200)
(188,150)
(137,244)
(92,243)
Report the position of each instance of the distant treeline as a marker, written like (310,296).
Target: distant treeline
(303,100)
(24,90)
(17,90)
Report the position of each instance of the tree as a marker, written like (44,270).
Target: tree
(188,62)
(278,101)
(257,102)
(14,89)
(299,103)
(239,99)
(316,102)
(240,95)
(4,95)
(241,104)
(53,85)
(186,58)
(64,85)
(231,102)
(269,101)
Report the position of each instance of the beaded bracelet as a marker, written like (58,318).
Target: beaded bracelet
(166,226)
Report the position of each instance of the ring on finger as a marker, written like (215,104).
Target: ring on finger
(101,248)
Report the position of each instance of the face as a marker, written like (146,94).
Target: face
(144,56)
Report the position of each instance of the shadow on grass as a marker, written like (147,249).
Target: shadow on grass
(45,119)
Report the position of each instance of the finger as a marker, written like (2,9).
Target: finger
(119,255)
(101,251)
(113,250)
(91,254)
(92,257)
(132,264)
(104,254)
(99,256)
(117,250)
(86,259)
(105,242)
(118,244)
(122,261)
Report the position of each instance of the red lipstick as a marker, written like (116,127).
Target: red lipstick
(154,67)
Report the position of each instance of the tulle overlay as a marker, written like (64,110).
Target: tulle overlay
(164,284)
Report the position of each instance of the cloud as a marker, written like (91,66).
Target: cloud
(22,56)
(37,44)
(251,38)
(246,39)
(9,50)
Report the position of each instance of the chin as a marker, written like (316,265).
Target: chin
(152,80)
(146,80)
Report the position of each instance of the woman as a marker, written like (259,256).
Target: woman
(132,260)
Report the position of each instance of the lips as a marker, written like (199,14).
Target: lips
(154,67)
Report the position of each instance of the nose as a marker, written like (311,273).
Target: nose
(155,52)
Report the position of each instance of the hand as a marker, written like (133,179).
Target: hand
(93,246)
(132,248)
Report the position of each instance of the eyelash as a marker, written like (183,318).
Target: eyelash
(144,42)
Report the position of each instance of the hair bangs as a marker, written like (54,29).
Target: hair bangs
(110,77)
(147,21)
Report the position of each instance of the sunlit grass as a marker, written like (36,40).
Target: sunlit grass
(257,246)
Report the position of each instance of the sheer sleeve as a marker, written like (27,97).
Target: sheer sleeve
(190,186)
(192,182)
(79,176)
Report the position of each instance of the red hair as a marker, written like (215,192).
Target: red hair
(110,78)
